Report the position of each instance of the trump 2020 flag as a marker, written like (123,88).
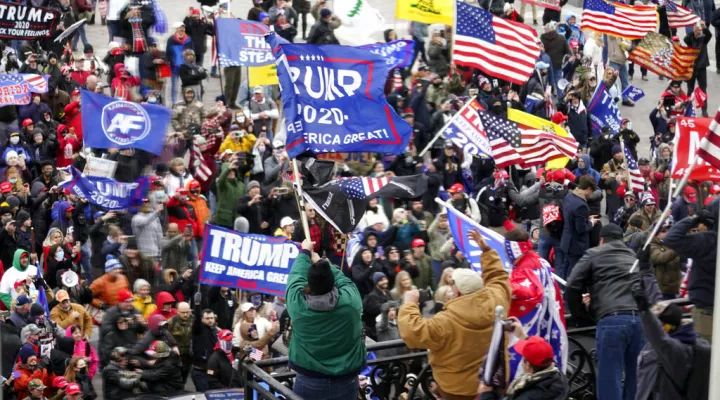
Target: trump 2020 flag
(537,300)
(105,192)
(242,43)
(342,202)
(109,123)
(603,111)
(467,132)
(333,100)
(633,93)
(15,89)
(398,53)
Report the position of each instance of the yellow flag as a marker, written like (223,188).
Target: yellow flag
(265,75)
(536,122)
(425,11)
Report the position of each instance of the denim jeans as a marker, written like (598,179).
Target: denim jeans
(113,29)
(437,270)
(545,245)
(85,255)
(618,341)
(326,389)
(622,69)
(80,34)
(174,80)
(200,380)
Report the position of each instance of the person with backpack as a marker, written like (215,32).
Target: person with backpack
(675,362)
(553,190)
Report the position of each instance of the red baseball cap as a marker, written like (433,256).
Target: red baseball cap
(536,350)
(456,188)
(72,388)
(417,242)
(59,382)
(26,122)
(124,295)
(690,193)
(5,187)
(559,117)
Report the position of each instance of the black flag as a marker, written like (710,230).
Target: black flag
(342,201)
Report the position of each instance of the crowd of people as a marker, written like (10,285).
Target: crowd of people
(88,291)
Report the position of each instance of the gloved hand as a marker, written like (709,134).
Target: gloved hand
(197,298)
(638,293)
(643,257)
(39,282)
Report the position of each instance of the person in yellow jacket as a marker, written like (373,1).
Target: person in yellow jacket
(238,140)
(287,227)
(142,300)
(199,204)
(459,337)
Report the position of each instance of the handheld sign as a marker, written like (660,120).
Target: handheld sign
(24,22)
(690,132)
(246,261)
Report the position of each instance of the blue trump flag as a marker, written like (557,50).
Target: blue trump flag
(397,54)
(242,43)
(333,100)
(246,261)
(105,192)
(460,224)
(603,111)
(633,93)
(109,123)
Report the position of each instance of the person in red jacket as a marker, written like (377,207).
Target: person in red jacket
(165,302)
(29,369)
(123,84)
(536,296)
(181,212)
(69,145)
(73,117)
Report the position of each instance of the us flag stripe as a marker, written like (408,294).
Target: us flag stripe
(710,145)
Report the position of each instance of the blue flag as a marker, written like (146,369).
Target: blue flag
(397,54)
(105,192)
(603,111)
(633,93)
(333,100)
(242,43)
(246,261)
(109,123)
(460,224)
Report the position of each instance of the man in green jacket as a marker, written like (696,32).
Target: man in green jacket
(229,190)
(326,348)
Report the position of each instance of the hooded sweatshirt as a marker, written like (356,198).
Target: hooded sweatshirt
(588,170)
(12,275)
(161,299)
(83,349)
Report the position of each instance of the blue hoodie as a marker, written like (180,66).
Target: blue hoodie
(588,169)
(575,33)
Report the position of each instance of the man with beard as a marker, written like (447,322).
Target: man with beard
(180,327)
(374,301)
(204,339)
(66,314)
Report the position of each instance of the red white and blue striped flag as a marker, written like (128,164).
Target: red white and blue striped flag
(637,182)
(499,47)
(617,19)
(678,16)
(15,89)
(256,354)
(710,145)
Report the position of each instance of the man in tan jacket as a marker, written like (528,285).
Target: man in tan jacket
(459,337)
(66,313)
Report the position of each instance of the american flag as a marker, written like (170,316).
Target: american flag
(256,354)
(499,47)
(637,182)
(27,83)
(678,16)
(359,188)
(710,145)
(513,143)
(616,19)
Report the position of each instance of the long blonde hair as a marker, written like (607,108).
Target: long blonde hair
(398,286)
(447,272)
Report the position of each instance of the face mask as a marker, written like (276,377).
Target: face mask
(226,345)
(14,140)
(240,119)
(12,180)
(60,254)
(152,100)
(497,109)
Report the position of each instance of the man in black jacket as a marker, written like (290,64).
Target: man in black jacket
(322,31)
(603,272)
(699,39)
(164,376)
(374,301)
(701,247)
(222,365)
(118,382)
(203,344)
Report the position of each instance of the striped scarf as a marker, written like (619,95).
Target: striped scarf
(202,171)
(139,44)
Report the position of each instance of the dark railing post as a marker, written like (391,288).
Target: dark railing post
(249,377)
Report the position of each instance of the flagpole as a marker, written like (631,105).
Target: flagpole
(441,130)
(301,201)
(474,224)
(666,211)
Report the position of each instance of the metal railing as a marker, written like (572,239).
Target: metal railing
(411,374)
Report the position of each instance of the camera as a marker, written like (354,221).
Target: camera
(507,325)
(282,190)
(425,295)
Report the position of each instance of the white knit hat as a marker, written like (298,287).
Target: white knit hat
(467,281)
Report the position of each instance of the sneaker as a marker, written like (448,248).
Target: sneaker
(645,78)
(535,23)
(628,103)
